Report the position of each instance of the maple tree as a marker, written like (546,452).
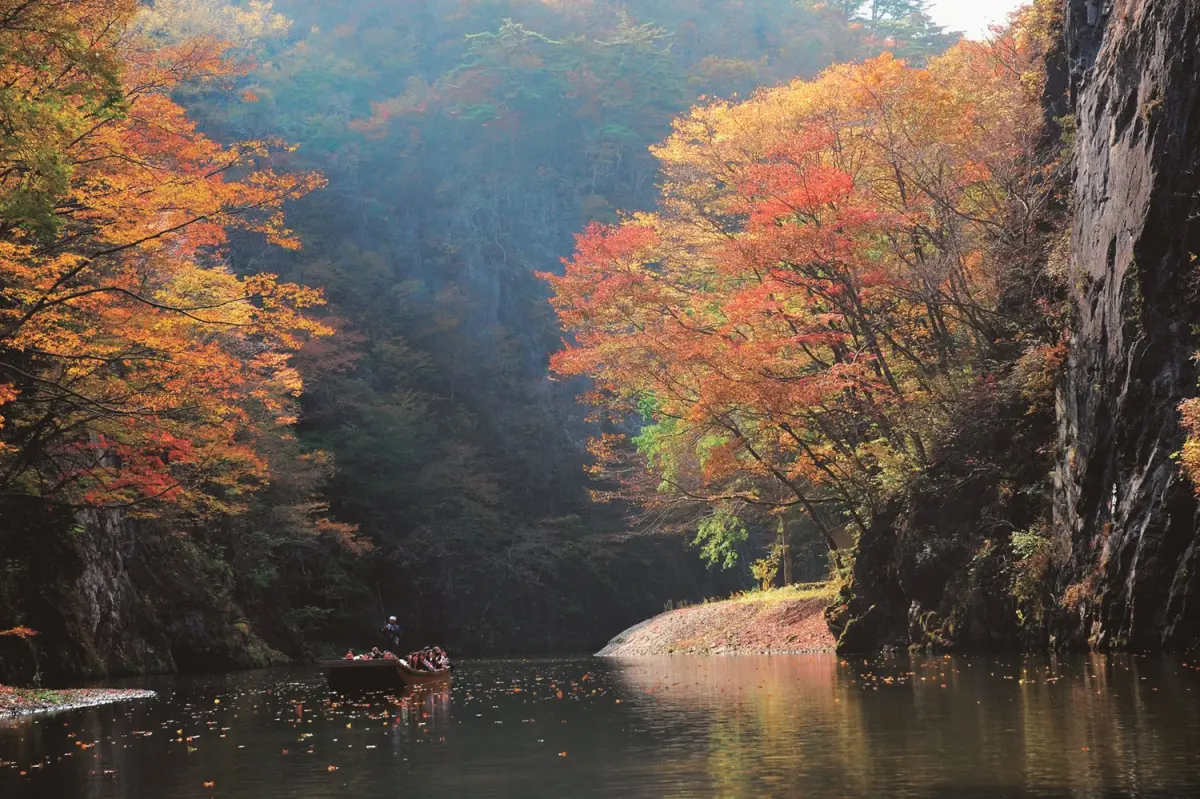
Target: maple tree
(821,283)
(134,364)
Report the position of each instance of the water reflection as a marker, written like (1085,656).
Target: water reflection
(1081,727)
(786,726)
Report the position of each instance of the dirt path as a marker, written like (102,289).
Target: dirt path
(784,620)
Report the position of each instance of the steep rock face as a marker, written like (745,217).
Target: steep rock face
(935,569)
(109,595)
(1122,507)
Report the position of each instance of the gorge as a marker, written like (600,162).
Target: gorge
(406,441)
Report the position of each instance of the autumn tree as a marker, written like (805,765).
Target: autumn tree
(822,282)
(134,365)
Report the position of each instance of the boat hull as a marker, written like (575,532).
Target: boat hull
(377,675)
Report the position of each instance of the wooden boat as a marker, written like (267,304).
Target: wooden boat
(377,675)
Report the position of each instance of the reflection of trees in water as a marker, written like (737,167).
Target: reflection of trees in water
(1125,717)
(761,723)
(791,725)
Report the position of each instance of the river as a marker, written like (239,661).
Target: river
(737,726)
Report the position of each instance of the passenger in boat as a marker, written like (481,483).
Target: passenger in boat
(421,660)
(349,655)
(376,654)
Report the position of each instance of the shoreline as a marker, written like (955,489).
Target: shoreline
(782,621)
(20,702)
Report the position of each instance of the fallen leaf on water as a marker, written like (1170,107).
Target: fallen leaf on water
(209,783)
(333,768)
(562,754)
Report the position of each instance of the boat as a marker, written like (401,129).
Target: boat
(375,675)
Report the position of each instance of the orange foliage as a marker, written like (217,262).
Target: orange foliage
(1189,455)
(134,364)
(18,632)
(819,282)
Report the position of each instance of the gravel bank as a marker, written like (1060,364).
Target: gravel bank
(783,620)
(23,701)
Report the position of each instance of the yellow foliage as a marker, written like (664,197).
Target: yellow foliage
(243,26)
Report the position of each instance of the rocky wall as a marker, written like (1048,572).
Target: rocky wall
(1125,513)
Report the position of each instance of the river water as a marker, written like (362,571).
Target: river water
(745,726)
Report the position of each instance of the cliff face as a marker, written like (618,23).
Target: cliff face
(936,569)
(1126,512)
(110,596)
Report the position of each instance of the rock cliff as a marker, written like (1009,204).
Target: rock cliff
(109,595)
(936,568)
(1122,506)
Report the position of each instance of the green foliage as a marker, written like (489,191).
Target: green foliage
(766,568)
(40,122)
(654,442)
(1033,550)
(719,536)
(648,408)
(1031,543)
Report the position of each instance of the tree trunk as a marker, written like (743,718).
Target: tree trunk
(785,552)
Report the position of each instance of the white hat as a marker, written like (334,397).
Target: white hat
(391,618)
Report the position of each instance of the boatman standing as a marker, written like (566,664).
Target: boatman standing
(391,631)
